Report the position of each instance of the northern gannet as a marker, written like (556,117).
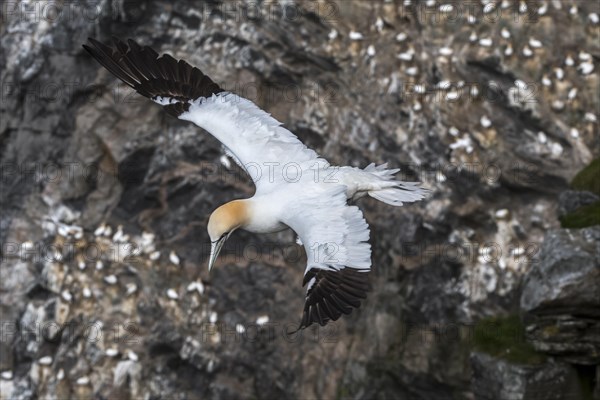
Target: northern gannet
(295,187)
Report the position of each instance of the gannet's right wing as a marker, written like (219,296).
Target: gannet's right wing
(266,150)
(335,237)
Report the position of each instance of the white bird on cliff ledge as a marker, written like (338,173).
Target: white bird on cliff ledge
(295,187)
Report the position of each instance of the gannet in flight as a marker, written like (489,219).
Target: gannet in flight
(295,187)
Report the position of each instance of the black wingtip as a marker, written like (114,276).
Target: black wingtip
(333,293)
(152,76)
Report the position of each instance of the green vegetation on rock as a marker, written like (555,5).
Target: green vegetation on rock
(582,217)
(588,178)
(504,337)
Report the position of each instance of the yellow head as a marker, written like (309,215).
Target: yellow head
(222,222)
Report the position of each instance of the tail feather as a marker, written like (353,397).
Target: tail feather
(393,192)
(381,171)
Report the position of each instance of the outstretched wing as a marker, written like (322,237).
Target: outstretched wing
(257,141)
(335,237)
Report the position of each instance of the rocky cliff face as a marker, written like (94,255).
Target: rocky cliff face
(561,296)
(103,283)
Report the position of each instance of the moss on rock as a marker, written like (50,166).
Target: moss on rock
(582,217)
(588,178)
(504,337)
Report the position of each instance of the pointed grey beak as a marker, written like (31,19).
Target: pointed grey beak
(215,249)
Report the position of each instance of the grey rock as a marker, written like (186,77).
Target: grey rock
(497,379)
(571,200)
(561,296)
(567,274)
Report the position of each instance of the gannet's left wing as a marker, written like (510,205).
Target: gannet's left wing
(335,237)
(266,150)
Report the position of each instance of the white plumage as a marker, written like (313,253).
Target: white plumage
(257,141)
